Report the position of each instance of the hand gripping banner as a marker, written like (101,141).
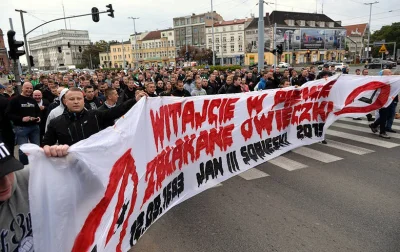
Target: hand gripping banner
(112,186)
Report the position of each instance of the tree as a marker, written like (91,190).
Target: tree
(90,55)
(389,33)
(193,51)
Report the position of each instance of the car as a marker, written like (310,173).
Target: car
(283,65)
(339,66)
(319,62)
(378,63)
(330,63)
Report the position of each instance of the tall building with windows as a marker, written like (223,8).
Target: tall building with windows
(135,40)
(356,39)
(229,40)
(120,53)
(191,29)
(45,48)
(157,48)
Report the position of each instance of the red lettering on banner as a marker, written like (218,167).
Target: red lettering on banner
(213,118)
(157,124)
(264,123)
(175,113)
(306,115)
(188,115)
(171,159)
(314,92)
(122,170)
(247,129)
(286,117)
(255,103)
(295,118)
(229,110)
(280,96)
(278,119)
(201,117)
(305,93)
(326,89)
(221,111)
(319,110)
(377,104)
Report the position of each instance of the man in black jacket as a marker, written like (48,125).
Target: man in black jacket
(24,112)
(179,90)
(91,101)
(6,132)
(235,87)
(76,123)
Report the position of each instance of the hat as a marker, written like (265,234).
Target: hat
(2,87)
(8,163)
(326,65)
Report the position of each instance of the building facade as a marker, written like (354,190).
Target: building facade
(105,60)
(229,40)
(357,39)
(251,42)
(135,45)
(157,48)
(4,61)
(300,33)
(191,30)
(44,48)
(120,53)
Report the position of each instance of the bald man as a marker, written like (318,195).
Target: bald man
(24,112)
(43,105)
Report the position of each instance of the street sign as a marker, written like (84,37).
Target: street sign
(383,49)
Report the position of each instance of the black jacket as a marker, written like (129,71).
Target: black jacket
(93,104)
(180,93)
(70,128)
(232,89)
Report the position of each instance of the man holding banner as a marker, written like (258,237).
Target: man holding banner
(186,146)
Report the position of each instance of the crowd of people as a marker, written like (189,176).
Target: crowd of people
(58,110)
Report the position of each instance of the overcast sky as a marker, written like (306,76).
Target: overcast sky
(158,14)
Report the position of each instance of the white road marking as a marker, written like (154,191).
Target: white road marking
(287,163)
(317,155)
(365,122)
(348,147)
(253,174)
(368,140)
(361,129)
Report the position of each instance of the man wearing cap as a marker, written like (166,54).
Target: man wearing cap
(324,72)
(15,222)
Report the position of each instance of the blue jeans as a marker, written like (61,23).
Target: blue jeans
(24,135)
(391,114)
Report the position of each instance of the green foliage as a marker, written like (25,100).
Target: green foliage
(389,33)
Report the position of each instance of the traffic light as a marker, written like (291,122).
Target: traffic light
(279,49)
(80,49)
(31,61)
(13,45)
(69,45)
(59,49)
(96,15)
(110,9)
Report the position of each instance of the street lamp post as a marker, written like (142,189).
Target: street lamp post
(134,30)
(369,23)
(212,28)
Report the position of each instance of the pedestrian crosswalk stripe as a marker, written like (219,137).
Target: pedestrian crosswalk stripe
(362,129)
(217,185)
(348,147)
(368,140)
(395,127)
(253,174)
(287,163)
(317,155)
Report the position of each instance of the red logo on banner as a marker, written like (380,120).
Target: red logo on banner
(377,104)
(123,169)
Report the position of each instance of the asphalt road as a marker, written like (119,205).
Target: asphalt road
(344,196)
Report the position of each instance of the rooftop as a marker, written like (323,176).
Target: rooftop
(357,30)
(279,17)
(230,22)
(152,35)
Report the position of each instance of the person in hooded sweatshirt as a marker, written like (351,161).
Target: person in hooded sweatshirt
(58,110)
(15,222)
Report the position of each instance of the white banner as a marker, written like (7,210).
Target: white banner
(111,187)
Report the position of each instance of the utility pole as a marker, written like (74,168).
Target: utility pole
(369,23)
(212,29)
(261,35)
(65,21)
(21,12)
(134,30)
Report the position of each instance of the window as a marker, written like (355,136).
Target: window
(223,28)
(224,39)
(182,22)
(195,30)
(209,30)
(100,57)
(176,22)
(210,40)
(232,48)
(119,49)
(201,19)
(216,29)
(119,57)
(240,48)
(114,50)
(232,38)
(232,28)
(217,40)
(170,34)
(187,20)
(291,22)
(240,38)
